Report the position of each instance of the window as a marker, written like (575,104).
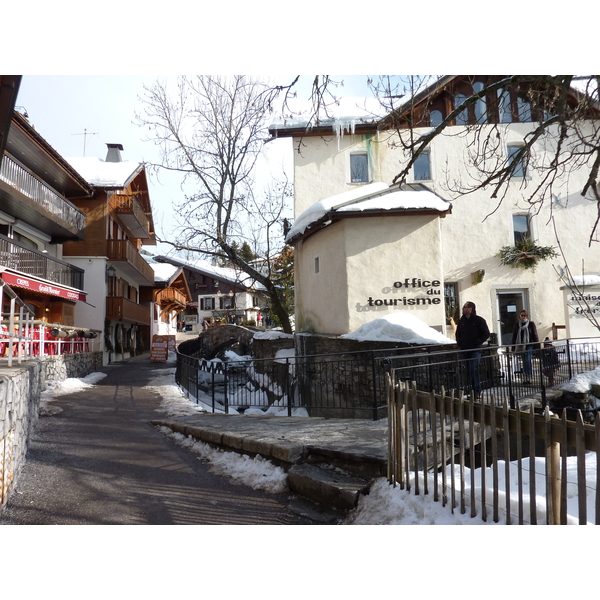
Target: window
(422,167)
(480,105)
(463,116)
(524,110)
(226,302)
(520,168)
(451,301)
(504,109)
(359,168)
(317,266)
(521,228)
(435,118)
(207,304)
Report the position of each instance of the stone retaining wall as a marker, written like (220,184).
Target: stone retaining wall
(20,389)
(19,406)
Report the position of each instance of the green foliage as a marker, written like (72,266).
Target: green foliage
(525,254)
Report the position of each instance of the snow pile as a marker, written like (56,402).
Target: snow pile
(62,388)
(257,473)
(583,382)
(386,505)
(399,326)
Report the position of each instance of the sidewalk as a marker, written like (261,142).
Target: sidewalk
(99,460)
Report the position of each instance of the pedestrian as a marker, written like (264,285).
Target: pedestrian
(524,340)
(550,360)
(472,332)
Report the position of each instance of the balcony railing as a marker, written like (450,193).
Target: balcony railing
(122,308)
(24,259)
(123,250)
(29,185)
(131,213)
(171,295)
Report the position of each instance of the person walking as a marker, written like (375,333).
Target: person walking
(524,339)
(471,333)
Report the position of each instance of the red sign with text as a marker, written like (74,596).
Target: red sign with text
(41,286)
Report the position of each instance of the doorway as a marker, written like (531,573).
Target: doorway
(510,304)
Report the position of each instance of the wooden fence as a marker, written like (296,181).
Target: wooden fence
(483,457)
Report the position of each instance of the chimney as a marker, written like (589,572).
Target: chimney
(114,153)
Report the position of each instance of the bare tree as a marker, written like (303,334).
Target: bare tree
(564,110)
(211,130)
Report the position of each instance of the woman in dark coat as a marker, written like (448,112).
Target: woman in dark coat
(525,336)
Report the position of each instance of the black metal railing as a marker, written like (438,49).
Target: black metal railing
(353,385)
(505,372)
(26,260)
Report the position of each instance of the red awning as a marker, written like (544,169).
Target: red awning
(43,287)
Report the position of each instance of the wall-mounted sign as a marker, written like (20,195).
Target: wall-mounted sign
(43,287)
(429,290)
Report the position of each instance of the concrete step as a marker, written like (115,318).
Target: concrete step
(327,485)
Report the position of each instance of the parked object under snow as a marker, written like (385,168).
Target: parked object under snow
(399,326)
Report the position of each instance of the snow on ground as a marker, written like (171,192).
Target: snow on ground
(385,504)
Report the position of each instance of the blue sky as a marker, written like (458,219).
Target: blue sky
(64,107)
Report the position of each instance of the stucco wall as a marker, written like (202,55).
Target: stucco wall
(369,267)
(477,228)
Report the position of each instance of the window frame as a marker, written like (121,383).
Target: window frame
(519,236)
(359,154)
(523,164)
(426,153)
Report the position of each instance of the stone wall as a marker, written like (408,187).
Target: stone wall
(20,389)
(64,366)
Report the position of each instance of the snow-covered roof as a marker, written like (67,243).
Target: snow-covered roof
(100,173)
(590,279)
(398,326)
(163,272)
(224,273)
(342,116)
(372,197)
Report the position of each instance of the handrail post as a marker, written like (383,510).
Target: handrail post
(288,386)
(226,390)
(374,376)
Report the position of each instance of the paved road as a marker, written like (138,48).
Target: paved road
(99,461)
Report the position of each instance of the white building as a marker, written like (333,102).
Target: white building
(365,254)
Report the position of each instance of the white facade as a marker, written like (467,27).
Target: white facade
(459,249)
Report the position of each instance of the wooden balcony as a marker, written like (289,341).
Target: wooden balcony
(132,215)
(122,308)
(131,261)
(171,296)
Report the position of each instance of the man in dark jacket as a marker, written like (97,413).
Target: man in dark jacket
(472,331)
